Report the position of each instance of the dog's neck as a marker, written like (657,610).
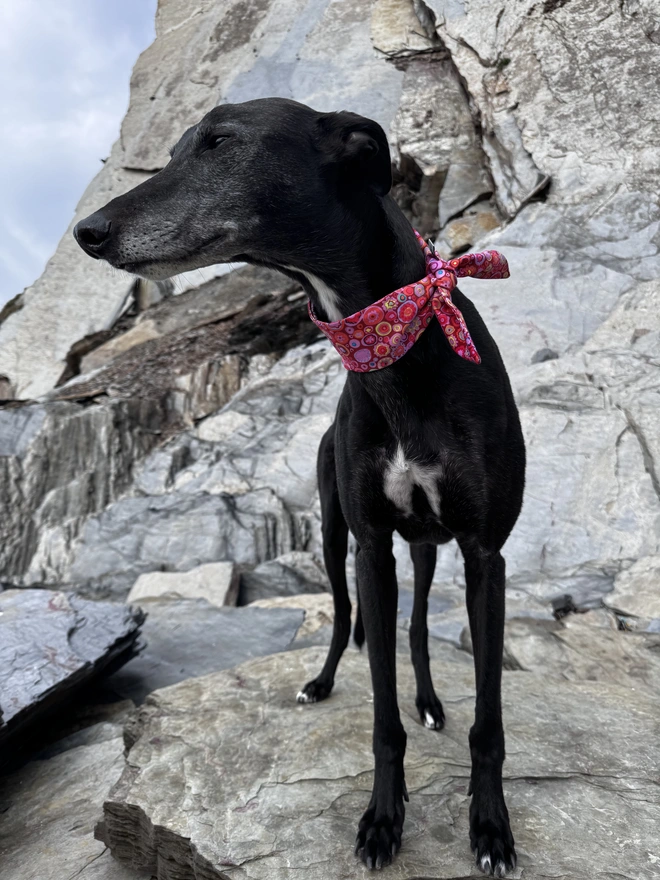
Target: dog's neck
(368,257)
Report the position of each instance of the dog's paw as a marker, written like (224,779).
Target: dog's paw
(379,839)
(314,691)
(491,838)
(431,712)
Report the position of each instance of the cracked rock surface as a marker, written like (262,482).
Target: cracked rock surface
(230,778)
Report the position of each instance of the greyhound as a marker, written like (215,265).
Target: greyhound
(430,446)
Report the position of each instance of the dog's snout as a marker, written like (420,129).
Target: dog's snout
(92,233)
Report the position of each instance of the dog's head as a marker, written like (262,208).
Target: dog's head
(264,181)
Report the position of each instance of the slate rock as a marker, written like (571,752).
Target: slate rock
(217,582)
(637,590)
(287,575)
(49,809)
(51,645)
(201,799)
(575,649)
(318,609)
(187,638)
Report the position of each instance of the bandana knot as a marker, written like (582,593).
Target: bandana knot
(383,332)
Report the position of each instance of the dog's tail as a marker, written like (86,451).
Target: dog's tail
(358,629)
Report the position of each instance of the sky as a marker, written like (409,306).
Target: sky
(65,67)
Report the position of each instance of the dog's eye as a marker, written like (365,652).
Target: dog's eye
(217,140)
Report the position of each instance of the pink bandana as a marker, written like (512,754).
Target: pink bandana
(382,333)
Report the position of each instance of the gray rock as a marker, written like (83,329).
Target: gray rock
(636,590)
(261,810)
(317,607)
(59,464)
(217,582)
(188,637)
(75,296)
(576,649)
(510,94)
(288,575)
(544,354)
(49,809)
(51,644)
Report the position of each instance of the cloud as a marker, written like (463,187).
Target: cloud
(65,70)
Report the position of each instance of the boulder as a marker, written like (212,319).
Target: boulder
(51,645)
(217,582)
(581,771)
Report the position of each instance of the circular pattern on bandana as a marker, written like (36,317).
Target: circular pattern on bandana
(407,311)
(373,314)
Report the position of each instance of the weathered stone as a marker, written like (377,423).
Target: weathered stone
(51,644)
(189,637)
(575,650)
(636,590)
(217,300)
(247,498)
(74,297)
(318,608)
(60,463)
(261,810)
(49,809)
(217,582)
(511,94)
(238,52)
(288,575)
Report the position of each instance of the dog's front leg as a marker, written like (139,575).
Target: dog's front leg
(379,831)
(490,832)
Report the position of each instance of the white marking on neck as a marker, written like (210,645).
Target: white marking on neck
(327,296)
(401,477)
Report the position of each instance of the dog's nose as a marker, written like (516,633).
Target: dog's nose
(92,233)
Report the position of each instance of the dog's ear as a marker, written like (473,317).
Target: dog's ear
(358,147)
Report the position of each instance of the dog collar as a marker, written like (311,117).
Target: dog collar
(383,332)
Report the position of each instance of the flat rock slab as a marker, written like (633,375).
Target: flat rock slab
(49,809)
(230,779)
(53,643)
(187,638)
(217,582)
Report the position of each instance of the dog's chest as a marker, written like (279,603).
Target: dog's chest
(402,475)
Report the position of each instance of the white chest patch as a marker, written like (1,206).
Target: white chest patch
(401,476)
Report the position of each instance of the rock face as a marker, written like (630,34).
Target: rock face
(198,799)
(176,426)
(51,644)
(181,436)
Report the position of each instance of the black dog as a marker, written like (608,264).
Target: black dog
(430,446)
